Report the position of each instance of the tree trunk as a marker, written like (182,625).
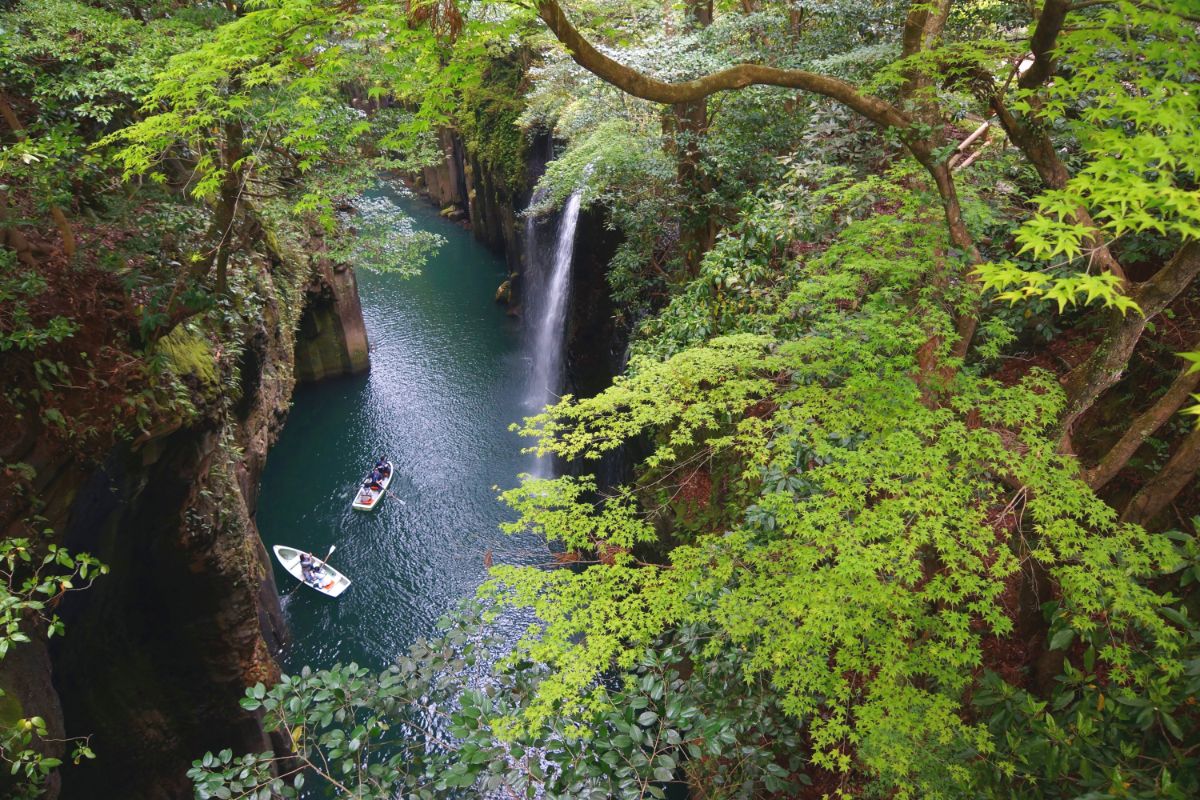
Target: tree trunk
(687,126)
(1156,495)
(227,203)
(963,242)
(64,230)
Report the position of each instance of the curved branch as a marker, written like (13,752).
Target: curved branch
(1041,44)
(1162,490)
(737,77)
(740,76)
(1086,382)
(1144,426)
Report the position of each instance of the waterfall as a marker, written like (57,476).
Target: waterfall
(548,317)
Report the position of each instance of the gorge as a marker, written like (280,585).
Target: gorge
(858,344)
(448,375)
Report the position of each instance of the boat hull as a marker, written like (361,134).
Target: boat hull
(368,499)
(332,582)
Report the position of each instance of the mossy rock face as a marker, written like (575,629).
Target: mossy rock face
(489,124)
(332,336)
(189,354)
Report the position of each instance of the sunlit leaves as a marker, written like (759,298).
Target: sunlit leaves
(1013,284)
(278,73)
(381,237)
(843,484)
(1127,92)
(567,510)
(692,394)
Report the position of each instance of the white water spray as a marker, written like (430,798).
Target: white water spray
(549,317)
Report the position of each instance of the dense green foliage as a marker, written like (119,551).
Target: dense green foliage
(911,507)
(35,577)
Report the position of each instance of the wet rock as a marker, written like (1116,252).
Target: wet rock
(504,292)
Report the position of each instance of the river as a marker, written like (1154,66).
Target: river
(447,378)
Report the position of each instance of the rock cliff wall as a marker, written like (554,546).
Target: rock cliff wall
(158,653)
(596,338)
(468,190)
(332,338)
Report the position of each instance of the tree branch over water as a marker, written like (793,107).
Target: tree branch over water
(736,77)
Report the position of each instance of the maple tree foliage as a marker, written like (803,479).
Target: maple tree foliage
(889,267)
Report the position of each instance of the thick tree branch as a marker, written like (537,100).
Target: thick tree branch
(1032,138)
(1145,425)
(736,77)
(922,27)
(1034,142)
(1108,362)
(1042,43)
(1156,495)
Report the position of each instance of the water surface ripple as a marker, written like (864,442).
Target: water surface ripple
(446,380)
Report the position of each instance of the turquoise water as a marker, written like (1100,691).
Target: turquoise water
(447,378)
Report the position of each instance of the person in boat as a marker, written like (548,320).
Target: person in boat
(381,466)
(376,479)
(308,568)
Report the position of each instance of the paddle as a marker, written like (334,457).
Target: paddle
(324,561)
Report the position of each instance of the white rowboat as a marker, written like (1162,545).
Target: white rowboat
(330,582)
(366,499)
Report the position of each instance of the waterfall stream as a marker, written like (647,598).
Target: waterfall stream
(548,317)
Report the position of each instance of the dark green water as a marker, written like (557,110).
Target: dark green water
(447,378)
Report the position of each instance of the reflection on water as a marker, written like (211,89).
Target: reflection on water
(446,380)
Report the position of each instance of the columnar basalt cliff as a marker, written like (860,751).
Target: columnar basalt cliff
(595,337)
(159,652)
(467,190)
(445,183)
(332,338)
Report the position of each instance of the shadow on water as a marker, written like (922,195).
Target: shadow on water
(447,379)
